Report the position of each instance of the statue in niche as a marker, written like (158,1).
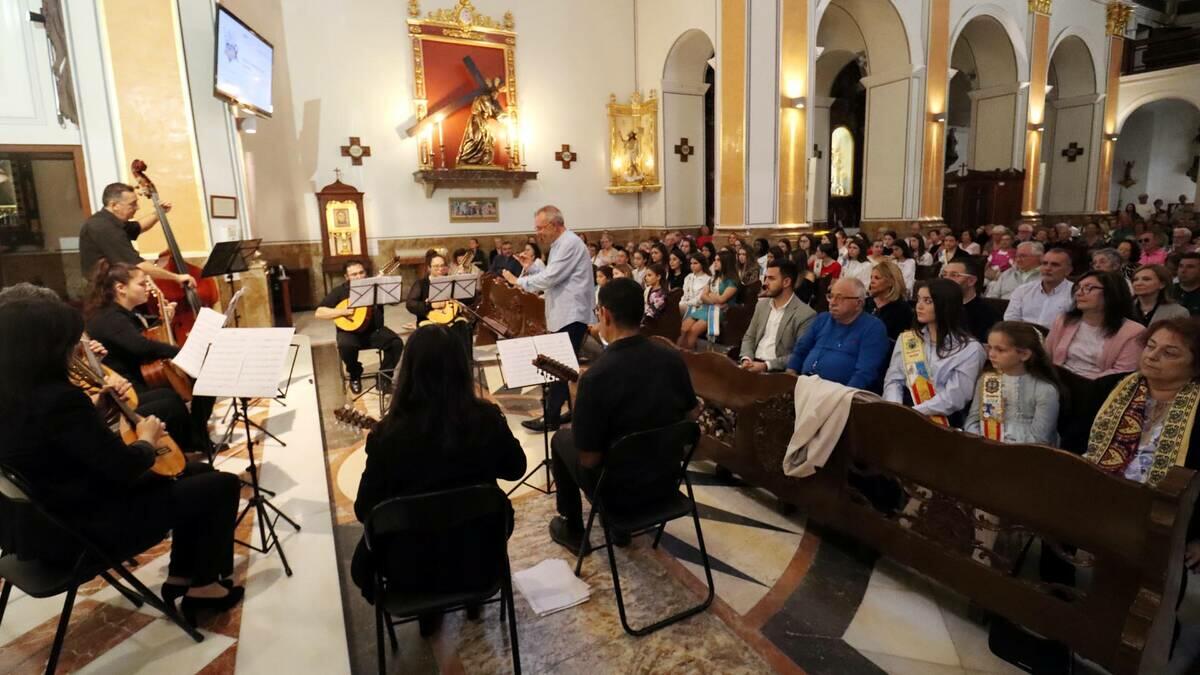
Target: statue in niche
(478,145)
(951,148)
(1127,179)
(841,174)
(633,156)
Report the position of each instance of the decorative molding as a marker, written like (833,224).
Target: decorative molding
(1040,7)
(465,17)
(1117,18)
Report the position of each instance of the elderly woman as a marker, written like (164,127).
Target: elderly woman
(1094,338)
(1151,296)
(1107,260)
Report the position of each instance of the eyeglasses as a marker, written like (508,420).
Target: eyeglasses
(838,298)
(1085,290)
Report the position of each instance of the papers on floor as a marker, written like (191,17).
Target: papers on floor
(551,586)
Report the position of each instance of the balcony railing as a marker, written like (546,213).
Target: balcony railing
(1167,47)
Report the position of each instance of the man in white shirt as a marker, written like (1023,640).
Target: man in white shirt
(1023,270)
(1143,207)
(779,320)
(569,286)
(1043,300)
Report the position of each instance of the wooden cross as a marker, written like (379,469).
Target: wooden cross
(356,151)
(448,105)
(1072,152)
(684,150)
(817,151)
(566,156)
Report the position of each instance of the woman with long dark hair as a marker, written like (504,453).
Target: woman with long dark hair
(52,436)
(677,270)
(436,435)
(935,365)
(1095,337)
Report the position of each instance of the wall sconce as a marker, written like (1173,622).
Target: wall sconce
(796,102)
(940,118)
(1111,137)
(1038,127)
(1023,85)
(247,125)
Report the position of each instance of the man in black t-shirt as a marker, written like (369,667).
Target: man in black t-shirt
(1187,290)
(373,334)
(636,385)
(109,234)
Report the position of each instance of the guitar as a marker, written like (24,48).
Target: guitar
(80,374)
(348,415)
(355,322)
(190,299)
(169,460)
(161,373)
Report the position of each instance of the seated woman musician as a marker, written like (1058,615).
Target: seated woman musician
(53,438)
(437,435)
(418,303)
(117,291)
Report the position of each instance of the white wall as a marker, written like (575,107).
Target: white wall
(1157,138)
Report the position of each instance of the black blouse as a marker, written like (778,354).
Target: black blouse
(120,331)
(897,317)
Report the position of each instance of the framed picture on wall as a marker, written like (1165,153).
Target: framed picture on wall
(221,206)
(474,209)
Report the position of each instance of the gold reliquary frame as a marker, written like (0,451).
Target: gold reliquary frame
(633,144)
(463,25)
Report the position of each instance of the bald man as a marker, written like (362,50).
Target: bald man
(845,344)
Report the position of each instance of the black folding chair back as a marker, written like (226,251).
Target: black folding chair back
(638,491)
(447,515)
(37,578)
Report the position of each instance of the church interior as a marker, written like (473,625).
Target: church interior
(310,185)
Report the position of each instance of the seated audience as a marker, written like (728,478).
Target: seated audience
(1153,251)
(694,286)
(604,274)
(761,246)
(654,296)
(505,260)
(1106,260)
(677,270)
(902,256)
(606,254)
(1130,252)
(1181,240)
(610,404)
(1151,296)
(780,318)
(640,260)
(920,253)
(845,344)
(720,292)
(887,301)
(824,263)
(531,260)
(979,314)
(1187,289)
(1016,400)
(1094,338)
(935,365)
(436,435)
(622,271)
(1026,259)
(1044,299)
(949,249)
(857,265)
(748,269)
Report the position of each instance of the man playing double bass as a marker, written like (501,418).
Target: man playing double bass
(109,233)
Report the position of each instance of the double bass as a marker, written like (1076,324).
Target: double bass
(188,300)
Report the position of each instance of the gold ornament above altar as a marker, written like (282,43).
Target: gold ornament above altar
(633,146)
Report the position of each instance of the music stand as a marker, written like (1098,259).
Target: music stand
(374,292)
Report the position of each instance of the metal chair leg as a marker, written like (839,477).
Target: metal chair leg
(60,635)
(658,537)
(4,597)
(506,592)
(129,595)
(387,620)
(379,652)
(584,547)
(157,603)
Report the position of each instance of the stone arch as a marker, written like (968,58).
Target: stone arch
(1071,141)
(985,94)
(685,112)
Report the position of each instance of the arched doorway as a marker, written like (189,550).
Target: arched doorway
(1071,137)
(863,84)
(687,124)
(984,98)
(1158,153)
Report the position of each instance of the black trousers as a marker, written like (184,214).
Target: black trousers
(570,477)
(188,428)
(385,339)
(559,392)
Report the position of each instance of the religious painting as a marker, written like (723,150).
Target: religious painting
(841,163)
(633,147)
(342,217)
(465,89)
(474,210)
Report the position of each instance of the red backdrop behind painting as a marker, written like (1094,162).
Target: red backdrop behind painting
(446,75)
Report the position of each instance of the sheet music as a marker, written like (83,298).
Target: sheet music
(465,285)
(441,288)
(245,362)
(191,355)
(558,347)
(362,292)
(388,292)
(517,355)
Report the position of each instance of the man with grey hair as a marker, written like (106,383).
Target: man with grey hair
(1024,269)
(1181,240)
(109,233)
(1106,260)
(569,286)
(845,344)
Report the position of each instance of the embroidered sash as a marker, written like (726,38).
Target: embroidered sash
(916,372)
(1117,431)
(991,405)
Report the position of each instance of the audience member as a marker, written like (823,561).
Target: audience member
(1094,338)
(902,255)
(691,304)
(654,296)
(748,270)
(1017,398)
(780,318)
(980,315)
(824,263)
(1187,290)
(857,266)
(887,302)
(677,271)
(845,344)
(1042,300)
(1143,208)
(606,254)
(640,260)
(1026,260)
(531,260)
(920,253)
(1130,253)
(505,260)
(1153,252)
(720,292)
(949,248)
(1151,296)
(1181,240)
(1106,260)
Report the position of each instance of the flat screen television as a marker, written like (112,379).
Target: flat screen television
(243,64)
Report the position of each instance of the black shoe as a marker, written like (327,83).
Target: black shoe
(192,605)
(538,426)
(564,419)
(356,385)
(172,592)
(429,624)
(566,536)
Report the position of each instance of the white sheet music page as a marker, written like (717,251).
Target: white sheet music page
(441,288)
(558,347)
(389,290)
(516,363)
(191,355)
(362,292)
(465,285)
(245,362)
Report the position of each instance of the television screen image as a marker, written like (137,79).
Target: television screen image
(243,70)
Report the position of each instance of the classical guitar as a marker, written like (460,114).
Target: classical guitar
(348,415)
(189,299)
(169,460)
(356,321)
(80,374)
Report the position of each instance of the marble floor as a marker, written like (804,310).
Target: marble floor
(791,597)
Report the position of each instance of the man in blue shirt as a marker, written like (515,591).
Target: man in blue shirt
(844,345)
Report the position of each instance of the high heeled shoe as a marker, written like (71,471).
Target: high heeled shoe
(191,605)
(172,592)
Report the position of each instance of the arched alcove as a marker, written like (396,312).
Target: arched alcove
(984,97)
(1159,144)
(687,113)
(1071,140)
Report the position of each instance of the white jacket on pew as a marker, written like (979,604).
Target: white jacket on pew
(822,408)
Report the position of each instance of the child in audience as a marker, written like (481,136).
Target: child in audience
(640,260)
(653,293)
(676,270)
(1017,397)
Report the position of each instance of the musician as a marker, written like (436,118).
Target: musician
(116,291)
(52,437)
(372,335)
(418,302)
(610,404)
(568,285)
(109,234)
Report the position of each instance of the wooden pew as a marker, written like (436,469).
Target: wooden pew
(1133,535)
(523,313)
(667,324)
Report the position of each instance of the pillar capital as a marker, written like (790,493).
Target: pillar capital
(1117,18)
(1040,7)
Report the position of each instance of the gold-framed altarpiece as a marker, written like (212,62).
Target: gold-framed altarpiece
(633,144)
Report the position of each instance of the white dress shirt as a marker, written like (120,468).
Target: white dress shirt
(1031,304)
(953,376)
(568,281)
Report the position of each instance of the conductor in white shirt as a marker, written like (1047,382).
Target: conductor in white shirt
(568,282)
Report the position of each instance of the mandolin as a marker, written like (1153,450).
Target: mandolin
(355,322)
(348,415)
(189,299)
(169,460)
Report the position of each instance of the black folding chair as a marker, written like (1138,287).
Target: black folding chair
(442,513)
(640,464)
(40,579)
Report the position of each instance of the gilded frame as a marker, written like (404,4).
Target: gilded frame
(462,24)
(640,116)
